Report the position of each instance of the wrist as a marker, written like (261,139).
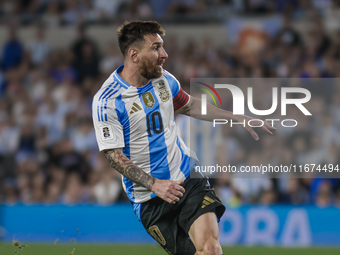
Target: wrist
(154,183)
(237,118)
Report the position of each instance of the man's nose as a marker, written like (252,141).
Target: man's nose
(164,55)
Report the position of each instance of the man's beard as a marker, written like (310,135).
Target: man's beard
(149,70)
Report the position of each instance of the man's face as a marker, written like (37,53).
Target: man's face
(152,56)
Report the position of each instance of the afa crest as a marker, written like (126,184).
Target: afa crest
(163,92)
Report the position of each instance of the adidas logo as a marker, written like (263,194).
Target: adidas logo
(135,108)
(207,201)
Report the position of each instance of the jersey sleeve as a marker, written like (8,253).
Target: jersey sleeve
(179,96)
(109,131)
(181,99)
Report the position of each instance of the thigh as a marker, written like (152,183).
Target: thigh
(204,228)
(201,199)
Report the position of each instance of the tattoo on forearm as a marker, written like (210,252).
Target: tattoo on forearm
(125,166)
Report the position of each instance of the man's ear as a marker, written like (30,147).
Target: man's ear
(133,55)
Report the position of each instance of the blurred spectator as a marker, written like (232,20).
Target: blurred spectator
(86,56)
(9,8)
(82,38)
(39,85)
(10,193)
(186,7)
(27,141)
(12,50)
(132,9)
(53,193)
(39,48)
(268,197)
(228,195)
(323,199)
(293,192)
(88,64)
(52,16)
(9,137)
(61,69)
(288,36)
(74,192)
(65,157)
(259,6)
(84,138)
(51,118)
(24,187)
(322,190)
(108,189)
(38,192)
(111,59)
(106,9)
(74,12)
(32,8)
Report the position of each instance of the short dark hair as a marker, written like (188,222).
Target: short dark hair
(134,31)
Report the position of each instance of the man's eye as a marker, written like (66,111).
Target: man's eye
(156,48)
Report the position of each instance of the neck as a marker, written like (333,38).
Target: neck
(131,75)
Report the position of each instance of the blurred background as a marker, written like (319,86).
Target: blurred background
(55,55)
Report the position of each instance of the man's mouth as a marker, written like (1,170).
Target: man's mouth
(160,64)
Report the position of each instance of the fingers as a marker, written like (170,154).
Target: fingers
(170,191)
(172,199)
(177,193)
(268,126)
(169,200)
(180,188)
(253,134)
(267,130)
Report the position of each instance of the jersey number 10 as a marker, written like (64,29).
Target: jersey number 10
(154,118)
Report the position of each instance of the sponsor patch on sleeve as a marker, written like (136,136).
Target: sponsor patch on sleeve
(107,133)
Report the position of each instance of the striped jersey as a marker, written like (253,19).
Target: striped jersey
(141,121)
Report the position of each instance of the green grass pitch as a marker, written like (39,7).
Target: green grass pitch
(87,249)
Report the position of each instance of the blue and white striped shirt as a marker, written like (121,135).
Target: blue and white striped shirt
(141,121)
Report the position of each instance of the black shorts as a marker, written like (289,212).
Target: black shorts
(169,224)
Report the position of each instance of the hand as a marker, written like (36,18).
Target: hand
(169,191)
(266,127)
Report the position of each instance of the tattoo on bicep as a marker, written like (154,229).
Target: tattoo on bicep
(125,166)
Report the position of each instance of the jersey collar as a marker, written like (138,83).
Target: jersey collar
(117,76)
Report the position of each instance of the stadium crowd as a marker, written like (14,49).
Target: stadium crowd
(48,150)
(71,12)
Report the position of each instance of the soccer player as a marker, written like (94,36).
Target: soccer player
(133,115)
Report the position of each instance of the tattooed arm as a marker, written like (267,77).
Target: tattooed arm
(125,166)
(168,190)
